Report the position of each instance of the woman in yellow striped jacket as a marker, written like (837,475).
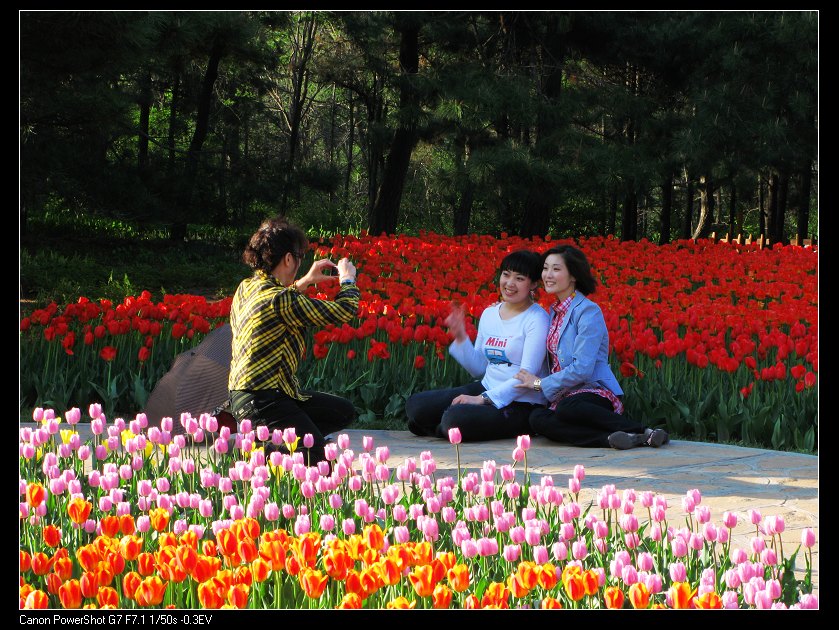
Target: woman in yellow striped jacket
(269,315)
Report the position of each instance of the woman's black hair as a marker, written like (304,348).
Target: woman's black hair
(524,262)
(272,241)
(578,266)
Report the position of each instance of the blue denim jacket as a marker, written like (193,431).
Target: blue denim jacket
(583,352)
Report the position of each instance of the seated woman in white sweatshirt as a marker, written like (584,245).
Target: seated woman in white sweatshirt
(511,337)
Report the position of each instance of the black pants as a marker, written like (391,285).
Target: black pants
(320,415)
(584,419)
(432,413)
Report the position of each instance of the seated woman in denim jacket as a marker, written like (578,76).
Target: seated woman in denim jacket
(585,399)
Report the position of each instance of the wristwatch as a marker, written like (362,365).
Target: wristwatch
(487,399)
(537,384)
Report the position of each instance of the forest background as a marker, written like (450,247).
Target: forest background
(149,136)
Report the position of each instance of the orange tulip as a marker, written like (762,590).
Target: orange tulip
(171,571)
(639,595)
(159,518)
(458,577)
(190,539)
(613,597)
(369,556)
(35,494)
(187,558)
(422,579)
(709,600)
(441,597)
(249,527)
(41,563)
(681,595)
(107,596)
(389,571)
(423,552)
(70,594)
(337,563)
(78,509)
(107,568)
(574,587)
(52,536)
(471,602)
(209,548)
(109,525)
(549,603)
(205,568)
(146,564)
(350,601)
(447,558)
(151,591)
(547,577)
(227,542)
(374,537)
(130,547)
(36,600)
(353,584)
(400,603)
(274,552)
(306,549)
(260,570)
(54,582)
(527,573)
(370,581)
(127,525)
(591,582)
(517,585)
(243,575)
(25,561)
(237,595)
(313,582)
(496,596)
(210,593)
(89,584)
(167,539)
(247,550)
(130,583)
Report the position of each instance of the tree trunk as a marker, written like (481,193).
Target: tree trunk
(193,156)
(777,235)
(771,204)
(463,211)
(350,147)
(613,211)
(761,206)
(384,216)
(732,211)
(542,196)
(706,207)
(687,221)
(174,107)
(143,135)
(666,209)
(629,224)
(300,87)
(804,203)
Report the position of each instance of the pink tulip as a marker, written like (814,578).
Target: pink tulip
(367,443)
(513,490)
(573,485)
(758,544)
(808,537)
(518,454)
(768,556)
(523,442)
(455,436)
(754,517)
(401,534)
(540,554)
(511,553)
(739,556)
(94,411)
(709,531)
(579,472)
(579,549)
(730,600)
(73,415)
(679,547)
(469,548)
(808,601)
(729,519)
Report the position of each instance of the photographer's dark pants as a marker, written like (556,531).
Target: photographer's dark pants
(432,413)
(320,415)
(584,419)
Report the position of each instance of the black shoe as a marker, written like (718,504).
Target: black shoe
(656,437)
(417,429)
(622,440)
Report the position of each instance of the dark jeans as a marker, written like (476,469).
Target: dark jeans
(432,413)
(320,415)
(582,420)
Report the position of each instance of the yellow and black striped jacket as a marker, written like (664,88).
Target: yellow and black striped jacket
(268,322)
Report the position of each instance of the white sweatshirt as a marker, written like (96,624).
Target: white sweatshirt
(503,347)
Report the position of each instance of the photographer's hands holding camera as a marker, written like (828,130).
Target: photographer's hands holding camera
(322,270)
